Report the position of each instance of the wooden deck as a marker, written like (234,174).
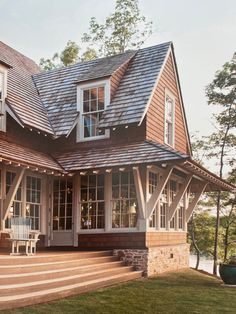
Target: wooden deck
(51,275)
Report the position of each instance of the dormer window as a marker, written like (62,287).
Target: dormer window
(169,119)
(2,102)
(92,101)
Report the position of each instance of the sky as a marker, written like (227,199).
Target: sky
(203,33)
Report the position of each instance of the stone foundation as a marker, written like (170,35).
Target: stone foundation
(156,260)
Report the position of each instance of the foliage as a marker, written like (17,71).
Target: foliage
(68,56)
(220,146)
(124,29)
(180,292)
(204,232)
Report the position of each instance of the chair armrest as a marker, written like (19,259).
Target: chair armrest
(34,235)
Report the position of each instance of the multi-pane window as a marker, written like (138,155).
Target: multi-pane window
(124,200)
(163,208)
(1,92)
(93,107)
(181,217)
(92,202)
(33,200)
(152,185)
(173,191)
(2,96)
(169,123)
(17,203)
(62,204)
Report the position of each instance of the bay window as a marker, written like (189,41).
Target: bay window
(124,200)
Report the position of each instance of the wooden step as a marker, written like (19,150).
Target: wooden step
(34,286)
(45,295)
(29,268)
(51,257)
(56,273)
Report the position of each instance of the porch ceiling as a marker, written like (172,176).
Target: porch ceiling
(27,157)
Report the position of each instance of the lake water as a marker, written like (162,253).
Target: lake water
(205,264)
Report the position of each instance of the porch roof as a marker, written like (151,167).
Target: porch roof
(145,152)
(117,155)
(24,156)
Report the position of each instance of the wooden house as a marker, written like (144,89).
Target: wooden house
(98,155)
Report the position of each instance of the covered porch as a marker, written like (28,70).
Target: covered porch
(133,196)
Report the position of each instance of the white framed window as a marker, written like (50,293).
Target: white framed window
(152,185)
(169,118)
(33,200)
(28,199)
(124,200)
(93,98)
(62,204)
(173,192)
(2,101)
(92,213)
(163,207)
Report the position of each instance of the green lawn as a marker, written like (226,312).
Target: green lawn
(182,292)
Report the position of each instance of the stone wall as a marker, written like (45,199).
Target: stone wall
(156,260)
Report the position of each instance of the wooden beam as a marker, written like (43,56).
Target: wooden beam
(174,205)
(139,192)
(194,202)
(7,203)
(151,204)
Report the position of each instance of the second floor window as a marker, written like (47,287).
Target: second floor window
(92,103)
(169,120)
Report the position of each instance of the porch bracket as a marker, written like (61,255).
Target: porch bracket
(174,205)
(152,202)
(12,192)
(194,202)
(139,191)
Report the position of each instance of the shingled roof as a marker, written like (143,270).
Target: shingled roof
(135,89)
(58,89)
(47,101)
(117,155)
(22,94)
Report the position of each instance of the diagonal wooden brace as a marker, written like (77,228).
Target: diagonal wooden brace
(194,202)
(174,205)
(151,204)
(139,192)
(12,192)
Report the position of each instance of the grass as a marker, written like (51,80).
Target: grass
(180,292)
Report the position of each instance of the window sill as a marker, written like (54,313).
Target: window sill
(94,138)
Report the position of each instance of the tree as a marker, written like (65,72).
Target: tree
(221,143)
(124,29)
(68,56)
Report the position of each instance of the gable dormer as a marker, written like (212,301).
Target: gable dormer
(96,87)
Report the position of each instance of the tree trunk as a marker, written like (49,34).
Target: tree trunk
(216,235)
(195,243)
(226,243)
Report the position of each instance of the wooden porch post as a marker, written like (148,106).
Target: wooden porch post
(174,205)
(194,202)
(151,204)
(12,192)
